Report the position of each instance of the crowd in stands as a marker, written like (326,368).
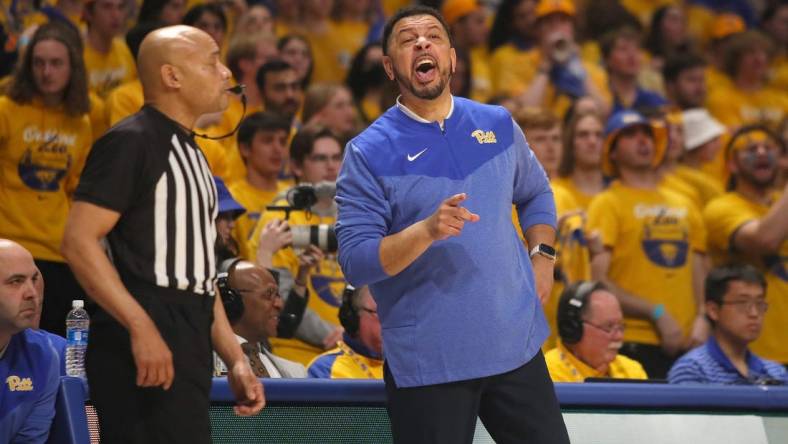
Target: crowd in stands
(662,126)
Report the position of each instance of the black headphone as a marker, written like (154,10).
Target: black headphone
(348,314)
(231,298)
(570,310)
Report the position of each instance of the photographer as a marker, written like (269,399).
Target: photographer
(315,158)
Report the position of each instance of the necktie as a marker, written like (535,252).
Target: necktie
(253,353)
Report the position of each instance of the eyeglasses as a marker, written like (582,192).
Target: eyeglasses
(324,158)
(746,306)
(609,329)
(269,294)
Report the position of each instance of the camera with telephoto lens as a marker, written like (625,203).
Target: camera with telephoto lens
(303,197)
(322,236)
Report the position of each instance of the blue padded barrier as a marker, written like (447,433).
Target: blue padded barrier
(70,425)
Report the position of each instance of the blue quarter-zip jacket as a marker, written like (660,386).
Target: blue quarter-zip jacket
(466,308)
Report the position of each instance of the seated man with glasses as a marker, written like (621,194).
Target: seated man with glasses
(359,355)
(736,305)
(591,331)
(250,295)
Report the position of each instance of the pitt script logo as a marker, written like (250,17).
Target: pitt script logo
(484,136)
(17,384)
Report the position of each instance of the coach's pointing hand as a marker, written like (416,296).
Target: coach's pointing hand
(449,218)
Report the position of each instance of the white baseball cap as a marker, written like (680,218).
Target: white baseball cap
(700,127)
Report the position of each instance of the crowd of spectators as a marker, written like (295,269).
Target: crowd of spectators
(662,126)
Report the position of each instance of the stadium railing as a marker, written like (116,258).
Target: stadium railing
(353,411)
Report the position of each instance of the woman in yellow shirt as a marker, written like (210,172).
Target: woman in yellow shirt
(45,136)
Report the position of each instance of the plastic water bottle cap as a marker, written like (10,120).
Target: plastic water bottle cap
(77,303)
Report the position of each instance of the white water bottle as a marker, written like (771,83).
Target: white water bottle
(77,326)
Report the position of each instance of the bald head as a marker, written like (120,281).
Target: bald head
(172,45)
(247,276)
(19,290)
(180,67)
(12,251)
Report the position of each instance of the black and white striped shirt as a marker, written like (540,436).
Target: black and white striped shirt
(150,170)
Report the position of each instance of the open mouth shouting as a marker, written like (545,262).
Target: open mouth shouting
(426,69)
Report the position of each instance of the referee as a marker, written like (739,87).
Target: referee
(147,188)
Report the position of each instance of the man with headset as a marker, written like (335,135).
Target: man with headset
(359,355)
(591,330)
(250,295)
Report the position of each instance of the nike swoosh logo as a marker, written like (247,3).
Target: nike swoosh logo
(416,156)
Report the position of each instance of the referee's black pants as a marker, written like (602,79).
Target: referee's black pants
(129,414)
(519,406)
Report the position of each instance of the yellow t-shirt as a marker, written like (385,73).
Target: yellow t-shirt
(779,73)
(42,152)
(652,235)
(97,116)
(566,367)
(108,71)
(254,200)
(571,249)
(214,155)
(734,107)
(674,183)
(514,70)
(325,283)
(583,200)
(333,50)
(574,259)
(343,363)
(124,101)
(708,187)
(481,77)
(236,169)
(723,217)
(644,9)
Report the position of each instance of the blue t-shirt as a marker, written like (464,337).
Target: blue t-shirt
(644,100)
(707,364)
(30,374)
(467,307)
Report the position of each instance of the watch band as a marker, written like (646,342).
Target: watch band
(543,250)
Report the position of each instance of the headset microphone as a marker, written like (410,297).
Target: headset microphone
(238,90)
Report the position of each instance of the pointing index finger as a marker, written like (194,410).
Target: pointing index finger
(456,199)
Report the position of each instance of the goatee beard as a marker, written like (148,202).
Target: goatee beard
(428,93)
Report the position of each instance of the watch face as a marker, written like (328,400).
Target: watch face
(546,249)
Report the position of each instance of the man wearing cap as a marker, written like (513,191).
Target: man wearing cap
(552,74)
(654,245)
(748,224)
(229,212)
(467,21)
(422,196)
(702,144)
(107,58)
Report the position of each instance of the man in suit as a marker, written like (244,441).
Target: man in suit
(251,298)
